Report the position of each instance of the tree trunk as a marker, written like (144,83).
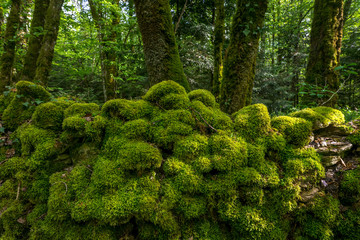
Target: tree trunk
(239,67)
(36,36)
(46,54)
(160,49)
(107,51)
(219,32)
(7,59)
(325,47)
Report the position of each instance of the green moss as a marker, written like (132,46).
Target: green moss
(162,89)
(296,131)
(38,144)
(209,118)
(48,115)
(137,129)
(191,147)
(203,96)
(81,109)
(321,117)
(174,101)
(349,227)
(32,90)
(132,155)
(95,129)
(16,113)
(306,169)
(192,207)
(350,187)
(325,208)
(228,153)
(5,100)
(202,165)
(12,166)
(354,138)
(63,102)
(75,125)
(127,110)
(171,126)
(252,122)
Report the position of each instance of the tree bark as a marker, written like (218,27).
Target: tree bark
(36,36)
(240,60)
(46,54)
(219,32)
(7,59)
(325,48)
(107,38)
(160,48)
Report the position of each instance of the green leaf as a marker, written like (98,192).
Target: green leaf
(246,32)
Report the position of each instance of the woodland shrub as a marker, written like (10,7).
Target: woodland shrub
(170,166)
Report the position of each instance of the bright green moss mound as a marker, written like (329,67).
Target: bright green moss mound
(203,96)
(169,166)
(48,115)
(296,131)
(252,122)
(321,117)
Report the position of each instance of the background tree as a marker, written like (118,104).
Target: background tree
(35,39)
(239,67)
(160,48)
(219,32)
(325,49)
(46,54)
(8,56)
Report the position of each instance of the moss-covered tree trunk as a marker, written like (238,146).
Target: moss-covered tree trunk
(107,36)
(160,48)
(36,36)
(325,47)
(218,45)
(7,59)
(51,29)
(239,66)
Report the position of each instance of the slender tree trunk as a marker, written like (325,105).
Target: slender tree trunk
(7,59)
(239,67)
(36,36)
(110,63)
(46,54)
(219,32)
(2,18)
(160,48)
(107,51)
(325,47)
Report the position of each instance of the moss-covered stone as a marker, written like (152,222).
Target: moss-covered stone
(321,117)
(296,131)
(48,115)
(23,104)
(203,96)
(127,110)
(252,122)
(228,153)
(210,118)
(132,155)
(162,89)
(32,90)
(81,109)
(350,187)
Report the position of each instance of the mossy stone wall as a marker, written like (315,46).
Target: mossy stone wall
(169,166)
